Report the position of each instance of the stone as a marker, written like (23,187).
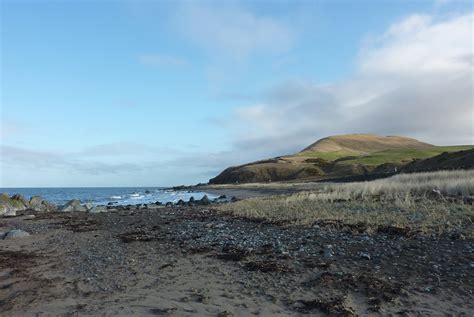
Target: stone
(37,203)
(10,213)
(204,200)
(20,199)
(364,255)
(328,251)
(97,209)
(88,206)
(73,206)
(29,217)
(16,233)
(10,206)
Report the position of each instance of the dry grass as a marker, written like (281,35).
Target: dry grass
(405,201)
(450,183)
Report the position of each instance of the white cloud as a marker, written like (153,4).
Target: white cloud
(419,46)
(416,79)
(232,30)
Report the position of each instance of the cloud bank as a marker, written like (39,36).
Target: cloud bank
(416,79)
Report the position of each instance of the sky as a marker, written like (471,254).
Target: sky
(159,93)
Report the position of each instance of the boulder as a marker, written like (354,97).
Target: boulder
(20,200)
(204,201)
(37,203)
(10,213)
(2,235)
(97,209)
(10,206)
(16,233)
(88,206)
(72,206)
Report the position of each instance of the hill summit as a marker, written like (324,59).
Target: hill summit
(339,156)
(364,143)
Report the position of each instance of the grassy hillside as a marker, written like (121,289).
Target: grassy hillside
(343,156)
(400,156)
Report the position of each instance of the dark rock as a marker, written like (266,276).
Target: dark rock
(204,201)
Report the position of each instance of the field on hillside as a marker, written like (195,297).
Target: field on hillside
(387,156)
(419,202)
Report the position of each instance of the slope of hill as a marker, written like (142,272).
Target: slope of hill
(338,156)
(447,160)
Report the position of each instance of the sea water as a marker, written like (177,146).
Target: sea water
(106,195)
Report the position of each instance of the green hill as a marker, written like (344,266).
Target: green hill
(336,157)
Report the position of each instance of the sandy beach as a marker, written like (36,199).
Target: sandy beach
(193,260)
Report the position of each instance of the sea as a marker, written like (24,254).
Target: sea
(106,195)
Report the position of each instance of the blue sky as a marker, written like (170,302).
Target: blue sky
(149,93)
